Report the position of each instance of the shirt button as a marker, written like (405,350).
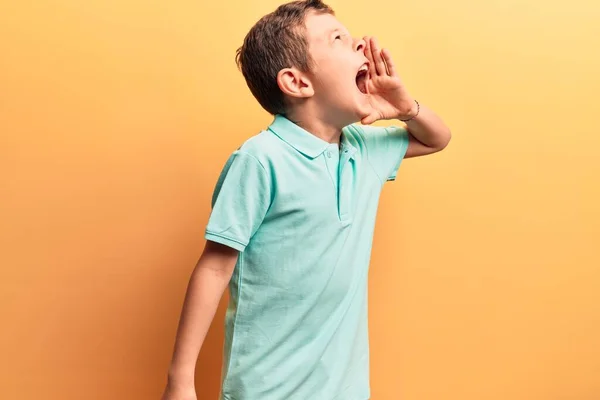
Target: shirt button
(329,154)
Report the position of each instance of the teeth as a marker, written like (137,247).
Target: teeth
(363,68)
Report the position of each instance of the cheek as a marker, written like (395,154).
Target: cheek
(328,79)
(333,78)
(330,69)
(336,77)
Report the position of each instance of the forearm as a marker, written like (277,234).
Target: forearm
(204,292)
(427,127)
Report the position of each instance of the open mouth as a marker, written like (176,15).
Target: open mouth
(361,78)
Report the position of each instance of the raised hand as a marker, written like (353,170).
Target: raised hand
(388,96)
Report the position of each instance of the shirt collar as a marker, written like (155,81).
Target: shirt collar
(297,137)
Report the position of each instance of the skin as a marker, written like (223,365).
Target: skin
(205,289)
(326,98)
(322,101)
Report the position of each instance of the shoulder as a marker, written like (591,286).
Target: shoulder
(370,136)
(364,131)
(261,147)
(365,136)
(248,164)
(255,153)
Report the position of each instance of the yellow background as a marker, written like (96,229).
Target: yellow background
(116,117)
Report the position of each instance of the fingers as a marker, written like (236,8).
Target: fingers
(380,60)
(369,56)
(376,52)
(387,58)
(369,119)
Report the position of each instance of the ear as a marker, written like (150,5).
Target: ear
(294,83)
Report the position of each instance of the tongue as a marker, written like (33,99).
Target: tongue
(361,82)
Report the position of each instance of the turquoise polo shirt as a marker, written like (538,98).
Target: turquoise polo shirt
(301,212)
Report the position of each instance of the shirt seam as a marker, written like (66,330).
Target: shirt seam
(253,157)
(269,178)
(237,312)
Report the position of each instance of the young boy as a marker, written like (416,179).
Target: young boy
(293,213)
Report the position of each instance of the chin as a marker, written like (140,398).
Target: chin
(356,114)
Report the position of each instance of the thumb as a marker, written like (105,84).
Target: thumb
(369,119)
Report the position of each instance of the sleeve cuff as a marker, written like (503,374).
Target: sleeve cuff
(234,244)
(392,177)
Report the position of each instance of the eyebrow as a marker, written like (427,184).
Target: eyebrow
(332,31)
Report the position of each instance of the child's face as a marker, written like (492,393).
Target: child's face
(338,75)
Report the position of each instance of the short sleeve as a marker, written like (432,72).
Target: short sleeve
(386,148)
(240,201)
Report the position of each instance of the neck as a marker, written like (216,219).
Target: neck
(316,123)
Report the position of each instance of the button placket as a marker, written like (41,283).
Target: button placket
(332,162)
(345,182)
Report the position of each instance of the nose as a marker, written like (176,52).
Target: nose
(359,45)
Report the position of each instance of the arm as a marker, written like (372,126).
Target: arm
(428,133)
(205,289)
(240,202)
